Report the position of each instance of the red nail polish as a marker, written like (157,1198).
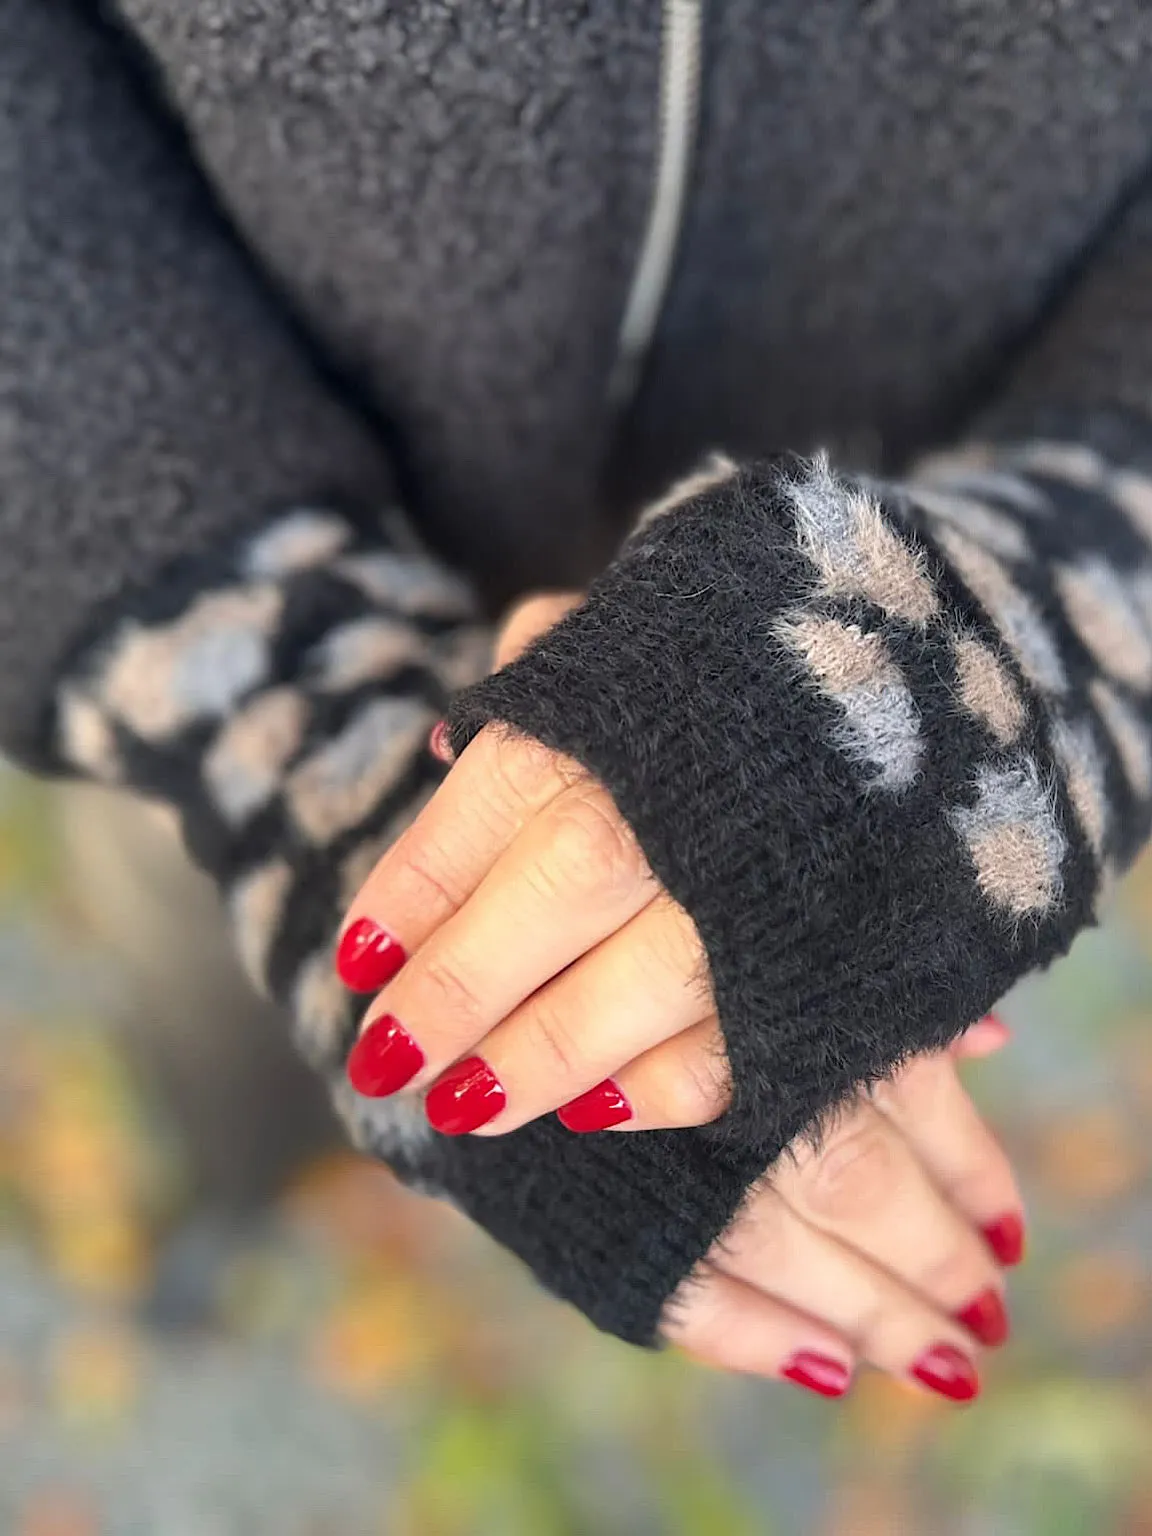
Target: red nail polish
(985,1317)
(947,1370)
(368,956)
(597,1110)
(829,1378)
(438,743)
(383,1059)
(467,1096)
(1005,1237)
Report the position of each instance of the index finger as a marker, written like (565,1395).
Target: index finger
(500,783)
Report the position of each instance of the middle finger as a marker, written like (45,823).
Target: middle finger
(572,877)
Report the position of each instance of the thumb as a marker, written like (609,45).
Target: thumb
(528,619)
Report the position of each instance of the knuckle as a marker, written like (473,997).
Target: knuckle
(446,992)
(426,867)
(551,1041)
(671,949)
(953,1272)
(520,770)
(593,851)
(693,1088)
(853,1175)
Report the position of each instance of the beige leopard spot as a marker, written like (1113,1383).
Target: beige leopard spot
(1010,609)
(988,691)
(716,470)
(1013,837)
(1127,733)
(1100,609)
(970,458)
(992,529)
(86,738)
(1132,493)
(245,765)
(363,860)
(362,652)
(1012,868)
(881,725)
(159,679)
(257,905)
(298,542)
(841,655)
(1074,463)
(843,532)
(1083,770)
(336,788)
(409,584)
(320,1012)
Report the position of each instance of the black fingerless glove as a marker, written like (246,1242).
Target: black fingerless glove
(882,743)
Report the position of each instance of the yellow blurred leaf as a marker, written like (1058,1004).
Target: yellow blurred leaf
(373,1338)
(95,1375)
(104,1253)
(890,1418)
(1090,1156)
(1097,1294)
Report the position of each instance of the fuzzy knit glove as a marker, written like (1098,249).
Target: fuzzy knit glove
(884,744)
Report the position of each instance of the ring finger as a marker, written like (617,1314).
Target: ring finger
(865,1186)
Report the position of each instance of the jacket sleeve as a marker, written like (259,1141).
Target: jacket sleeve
(887,743)
(155,398)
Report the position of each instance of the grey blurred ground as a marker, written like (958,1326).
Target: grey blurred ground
(212,1322)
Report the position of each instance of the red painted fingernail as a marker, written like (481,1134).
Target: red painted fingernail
(438,743)
(383,1059)
(1005,1237)
(597,1110)
(985,1317)
(947,1370)
(829,1378)
(368,956)
(467,1096)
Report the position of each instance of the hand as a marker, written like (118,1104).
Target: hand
(547,965)
(879,1247)
(542,939)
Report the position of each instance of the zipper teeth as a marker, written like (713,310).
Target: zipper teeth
(679,113)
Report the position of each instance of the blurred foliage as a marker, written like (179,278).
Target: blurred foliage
(358,1362)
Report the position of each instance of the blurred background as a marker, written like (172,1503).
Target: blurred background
(215,1322)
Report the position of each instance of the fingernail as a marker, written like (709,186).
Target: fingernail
(985,1317)
(383,1059)
(991,1033)
(368,956)
(467,1096)
(438,743)
(947,1370)
(597,1110)
(1005,1237)
(819,1373)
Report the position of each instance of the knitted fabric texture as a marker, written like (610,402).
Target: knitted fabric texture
(280,695)
(884,745)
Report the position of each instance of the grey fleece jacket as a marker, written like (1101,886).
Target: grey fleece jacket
(272,268)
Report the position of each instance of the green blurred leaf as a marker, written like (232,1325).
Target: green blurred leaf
(1090,1437)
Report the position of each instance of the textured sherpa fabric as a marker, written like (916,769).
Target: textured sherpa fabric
(261,251)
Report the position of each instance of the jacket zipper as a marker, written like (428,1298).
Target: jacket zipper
(679,116)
